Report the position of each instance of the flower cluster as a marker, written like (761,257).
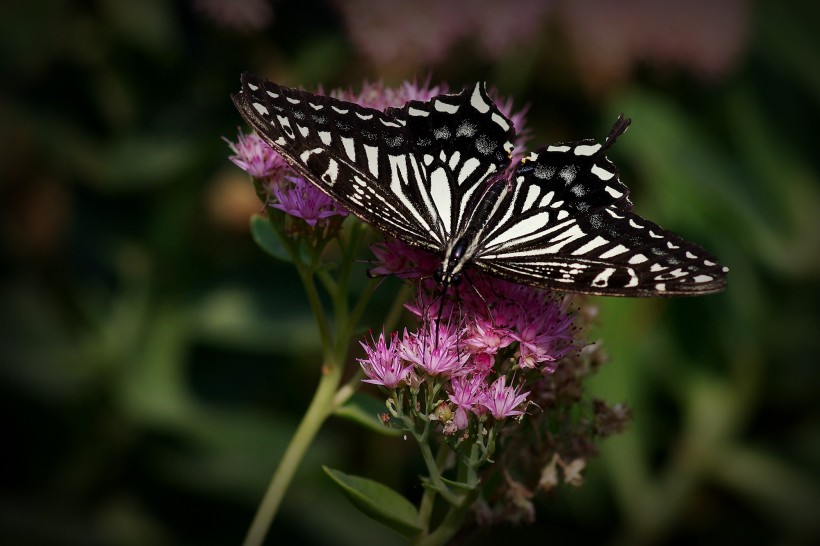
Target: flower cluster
(479,348)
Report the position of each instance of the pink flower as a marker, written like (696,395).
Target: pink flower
(482,336)
(383,364)
(544,334)
(501,401)
(302,199)
(468,391)
(254,156)
(376,95)
(435,349)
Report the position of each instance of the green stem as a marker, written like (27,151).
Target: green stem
(435,473)
(429,497)
(320,408)
(451,523)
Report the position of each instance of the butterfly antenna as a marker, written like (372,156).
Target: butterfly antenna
(440,311)
(481,297)
(620,127)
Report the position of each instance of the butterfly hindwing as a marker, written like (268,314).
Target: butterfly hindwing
(568,224)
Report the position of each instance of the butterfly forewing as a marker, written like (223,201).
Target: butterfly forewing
(406,170)
(461,140)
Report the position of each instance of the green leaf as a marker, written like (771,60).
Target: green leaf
(365,410)
(267,238)
(378,501)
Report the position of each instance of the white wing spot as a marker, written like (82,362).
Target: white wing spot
(340,110)
(442,106)
(613,192)
(587,149)
(261,109)
(272,94)
(532,195)
(364,116)
(546,199)
(562,214)
(633,224)
(709,263)
(660,287)
(440,193)
(637,259)
(523,228)
(454,159)
(253,87)
(690,255)
(324,136)
(350,148)
(417,112)
(652,234)
(316,106)
(612,252)
(671,246)
(303,130)
(602,278)
(467,169)
(591,245)
(702,278)
(501,122)
(285,123)
(558,149)
(633,278)
(293,101)
(304,156)
(478,102)
(603,174)
(372,159)
(332,172)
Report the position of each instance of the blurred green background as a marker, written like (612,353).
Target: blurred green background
(154,361)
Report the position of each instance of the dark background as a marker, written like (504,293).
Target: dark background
(155,361)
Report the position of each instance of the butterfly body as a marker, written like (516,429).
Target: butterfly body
(436,175)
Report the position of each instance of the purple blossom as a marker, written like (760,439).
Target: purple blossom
(300,198)
(483,336)
(501,401)
(435,349)
(468,391)
(254,156)
(544,334)
(383,364)
(376,95)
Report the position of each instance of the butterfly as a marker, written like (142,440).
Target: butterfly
(436,174)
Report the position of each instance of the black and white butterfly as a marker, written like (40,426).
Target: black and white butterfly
(432,175)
